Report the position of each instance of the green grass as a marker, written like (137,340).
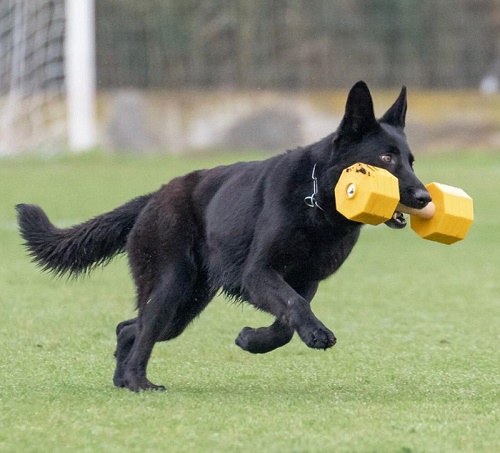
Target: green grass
(416,368)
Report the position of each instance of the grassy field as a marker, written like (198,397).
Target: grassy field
(416,367)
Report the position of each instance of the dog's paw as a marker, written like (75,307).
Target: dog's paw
(136,384)
(244,339)
(264,339)
(118,381)
(255,341)
(317,337)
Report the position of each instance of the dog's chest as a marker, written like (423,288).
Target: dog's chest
(316,256)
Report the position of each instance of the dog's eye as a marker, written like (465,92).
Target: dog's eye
(387,158)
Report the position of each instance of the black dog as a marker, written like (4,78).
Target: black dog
(264,232)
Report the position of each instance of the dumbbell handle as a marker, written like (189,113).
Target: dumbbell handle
(425,213)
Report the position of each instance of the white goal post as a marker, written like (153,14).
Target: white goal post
(47,76)
(80,73)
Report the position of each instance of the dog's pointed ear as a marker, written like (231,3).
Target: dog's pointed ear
(396,115)
(359,116)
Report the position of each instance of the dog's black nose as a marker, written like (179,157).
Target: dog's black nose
(422,197)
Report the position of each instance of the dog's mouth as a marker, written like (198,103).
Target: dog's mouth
(417,200)
(397,221)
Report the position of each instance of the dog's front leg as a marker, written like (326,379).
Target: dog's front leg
(265,339)
(268,291)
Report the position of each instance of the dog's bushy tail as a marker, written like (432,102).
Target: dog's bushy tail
(80,248)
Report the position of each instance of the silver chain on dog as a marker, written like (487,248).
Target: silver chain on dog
(311,200)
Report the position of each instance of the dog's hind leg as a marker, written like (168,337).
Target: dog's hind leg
(123,324)
(155,315)
(266,339)
(179,297)
(202,294)
(126,332)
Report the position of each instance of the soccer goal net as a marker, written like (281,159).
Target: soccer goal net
(32,106)
(35,103)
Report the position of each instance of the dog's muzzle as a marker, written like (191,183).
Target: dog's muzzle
(420,199)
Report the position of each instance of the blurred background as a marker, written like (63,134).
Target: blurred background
(181,76)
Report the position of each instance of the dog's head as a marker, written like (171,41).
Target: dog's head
(381,143)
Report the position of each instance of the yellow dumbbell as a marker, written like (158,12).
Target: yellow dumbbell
(368,194)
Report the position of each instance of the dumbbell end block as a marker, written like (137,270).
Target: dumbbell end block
(366,194)
(453,217)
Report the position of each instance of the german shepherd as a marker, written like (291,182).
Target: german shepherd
(264,232)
